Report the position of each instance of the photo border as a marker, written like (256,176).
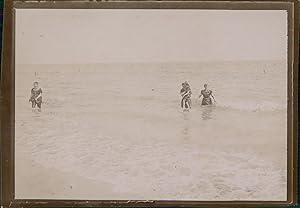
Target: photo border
(8,99)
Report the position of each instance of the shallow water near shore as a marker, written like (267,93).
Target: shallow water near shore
(121,125)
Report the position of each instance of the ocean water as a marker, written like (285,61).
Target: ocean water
(122,124)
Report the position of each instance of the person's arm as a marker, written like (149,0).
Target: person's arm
(181,92)
(185,93)
(212,96)
(200,94)
(39,95)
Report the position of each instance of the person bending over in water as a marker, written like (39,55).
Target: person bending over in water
(186,94)
(36,96)
(207,94)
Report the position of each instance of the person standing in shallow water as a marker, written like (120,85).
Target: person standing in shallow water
(186,94)
(36,96)
(207,95)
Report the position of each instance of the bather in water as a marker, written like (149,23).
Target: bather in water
(207,96)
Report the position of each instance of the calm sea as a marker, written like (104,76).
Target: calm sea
(122,124)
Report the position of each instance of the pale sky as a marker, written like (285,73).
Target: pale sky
(65,36)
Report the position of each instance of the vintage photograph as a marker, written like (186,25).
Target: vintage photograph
(151,104)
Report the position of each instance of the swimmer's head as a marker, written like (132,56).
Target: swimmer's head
(36,85)
(205,86)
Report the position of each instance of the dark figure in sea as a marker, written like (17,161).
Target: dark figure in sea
(36,96)
(186,94)
(207,95)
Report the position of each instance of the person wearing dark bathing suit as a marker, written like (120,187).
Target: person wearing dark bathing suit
(186,94)
(207,95)
(36,96)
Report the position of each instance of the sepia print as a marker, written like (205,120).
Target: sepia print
(151,104)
